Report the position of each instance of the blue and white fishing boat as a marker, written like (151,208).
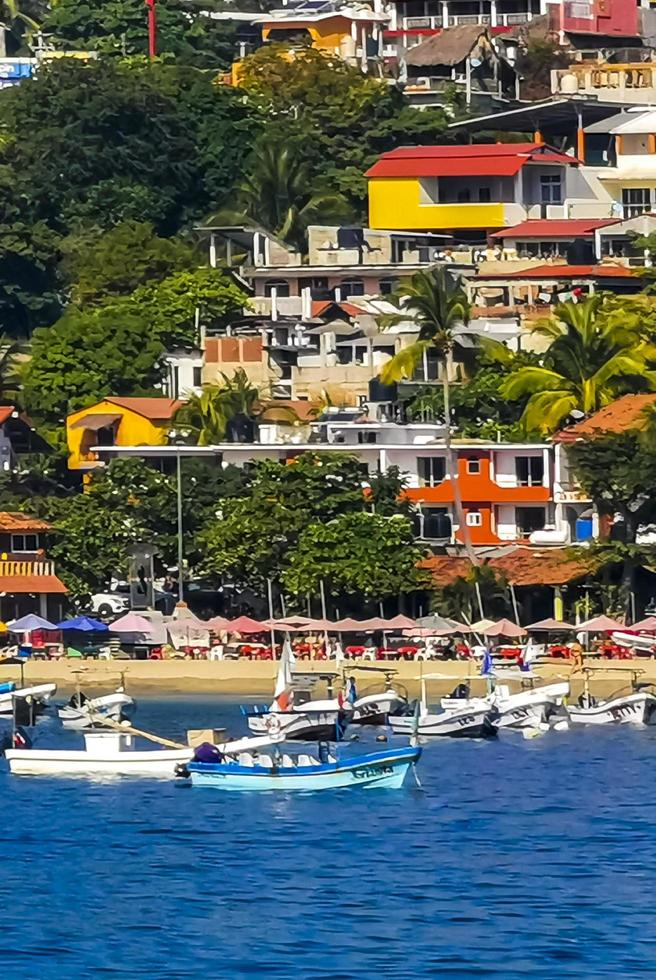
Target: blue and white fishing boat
(278,771)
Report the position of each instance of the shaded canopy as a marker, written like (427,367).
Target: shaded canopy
(505,627)
(132,623)
(31,622)
(552,625)
(600,624)
(245,624)
(647,625)
(85,624)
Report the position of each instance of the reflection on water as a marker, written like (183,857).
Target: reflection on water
(516,859)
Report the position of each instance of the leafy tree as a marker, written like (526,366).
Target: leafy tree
(438,305)
(338,118)
(86,356)
(361,553)
(104,142)
(119,28)
(102,267)
(18,23)
(254,535)
(279,193)
(598,350)
(207,416)
(10,380)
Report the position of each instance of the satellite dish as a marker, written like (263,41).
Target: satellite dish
(475,62)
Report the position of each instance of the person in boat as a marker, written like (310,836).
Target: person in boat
(206,752)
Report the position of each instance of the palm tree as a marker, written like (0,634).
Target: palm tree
(11,352)
(15,20)
(279,193)
(207,416)
(595,354)
(438,304)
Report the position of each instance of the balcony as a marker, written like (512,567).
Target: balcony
(616,83)
(428,23)
(570,493)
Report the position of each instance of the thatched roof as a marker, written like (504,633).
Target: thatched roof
(448,48)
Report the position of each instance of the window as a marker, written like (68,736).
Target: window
(352,287)
(529,471)
(197,377)
(551,190)
(367,438)
(431,470)
(528,519)
(635,201)
(24,542)
(281,287)
(387,286)
(464,196)
(484,195)
(473,467)
(474,519)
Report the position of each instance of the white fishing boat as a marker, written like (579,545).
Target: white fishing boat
(530,707)
(249,771)
(637,707)
(372,707)
(474,722)
(85,712)
(40,694)
(312,720)
(113,753)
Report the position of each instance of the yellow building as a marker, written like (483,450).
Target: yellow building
(117,422)
(470,189)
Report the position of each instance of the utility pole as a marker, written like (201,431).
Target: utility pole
(180,530)
(152,30)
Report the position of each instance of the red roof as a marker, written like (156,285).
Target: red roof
(521,566)
(570,272)
(155,409)
(13,522)
(320,306)
(483,160)
(6,412)
(624,415)
(32,584)
(550,228)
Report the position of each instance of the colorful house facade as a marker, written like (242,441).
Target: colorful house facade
(117,421)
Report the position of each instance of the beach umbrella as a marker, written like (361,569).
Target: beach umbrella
(552,625)
(244,624)
(482,625)
(132,623)
(600,624)
(505,627)
(400,623)
(218,624)
(29,623)
(85,624)
(647,625)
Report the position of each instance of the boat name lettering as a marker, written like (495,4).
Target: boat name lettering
(367,771)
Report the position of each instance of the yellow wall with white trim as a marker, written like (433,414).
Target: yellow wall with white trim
(394,203)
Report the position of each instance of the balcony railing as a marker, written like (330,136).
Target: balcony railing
(629,78)
(419,23)
(22,568)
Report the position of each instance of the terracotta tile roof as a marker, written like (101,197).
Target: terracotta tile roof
(522,566)
(6,412)
(624,415)
(13,522)
(155,409)
(552,228)
(570,272)
(34,584)
(320,306)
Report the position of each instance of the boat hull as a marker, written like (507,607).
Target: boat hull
(40,692)
(155,763)
(92,713)
(375,709)
(477,723)
(376,770)
(635,709)
(320,726)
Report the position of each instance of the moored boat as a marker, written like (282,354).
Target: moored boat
(462,722)
(104,754)
(638,707)
(82,712)
(249,771)
(39,693)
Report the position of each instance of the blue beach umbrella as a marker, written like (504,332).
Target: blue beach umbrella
(85,624)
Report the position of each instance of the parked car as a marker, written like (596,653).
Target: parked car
(110,603)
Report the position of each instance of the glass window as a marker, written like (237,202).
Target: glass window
(551,190)
(24,542)
(484,195)
(198,377)
(464,196)
(431,470)
(474,466)
(367,438)
(635,201)
(352,287)
(474,519)
(528,519)
(529,471)
(281,287)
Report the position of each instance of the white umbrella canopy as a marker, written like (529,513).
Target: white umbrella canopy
(552,625)
(132,623)
(482,625)
(600,624)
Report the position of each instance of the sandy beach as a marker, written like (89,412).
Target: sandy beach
(248,678)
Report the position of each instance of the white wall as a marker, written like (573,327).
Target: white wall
(506,528)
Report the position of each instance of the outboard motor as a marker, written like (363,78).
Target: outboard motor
(461,691)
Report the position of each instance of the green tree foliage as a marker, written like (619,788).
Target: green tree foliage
(101,267)
(598,349)
(362,554)
(206,416)
(279,194)
(340,119)
(255,536)
(117,349)
(119,27)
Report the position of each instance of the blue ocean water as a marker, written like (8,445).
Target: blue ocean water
(514,859)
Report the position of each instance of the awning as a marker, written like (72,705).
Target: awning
(32,585)
(95,422)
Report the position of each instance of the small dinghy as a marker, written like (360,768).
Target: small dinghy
(277,771)
(461,722)
(83,712)
(636,708)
